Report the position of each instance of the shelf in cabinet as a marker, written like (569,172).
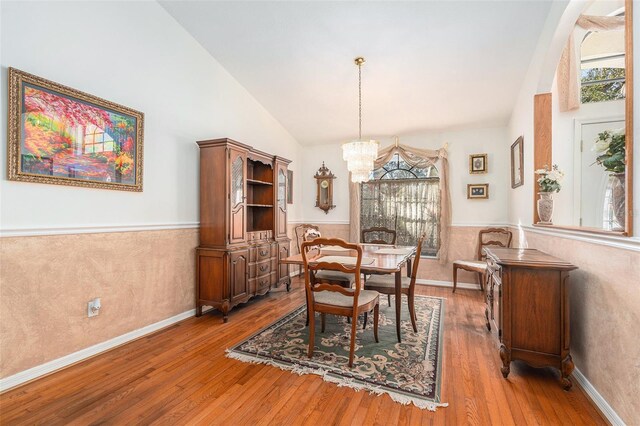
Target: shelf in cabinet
(259,205)
(258,182)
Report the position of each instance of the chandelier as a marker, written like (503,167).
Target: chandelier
(360,154)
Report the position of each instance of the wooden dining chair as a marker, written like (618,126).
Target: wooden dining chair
(309,233)
(479,265)
(300,232)
(386,284)
(327,298)
(378,235)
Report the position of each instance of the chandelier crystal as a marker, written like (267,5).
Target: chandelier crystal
(359,154)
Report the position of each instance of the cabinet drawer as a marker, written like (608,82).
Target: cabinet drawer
(263,268)
(264,252)
(263,282)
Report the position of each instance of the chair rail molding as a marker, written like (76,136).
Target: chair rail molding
(95,229)
(625,243)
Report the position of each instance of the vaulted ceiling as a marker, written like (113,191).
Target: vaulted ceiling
(433,65)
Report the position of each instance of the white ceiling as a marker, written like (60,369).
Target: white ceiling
(431,65)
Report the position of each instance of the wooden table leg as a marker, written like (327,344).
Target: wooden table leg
(398,302)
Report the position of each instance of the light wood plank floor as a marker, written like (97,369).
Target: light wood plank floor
(181,375)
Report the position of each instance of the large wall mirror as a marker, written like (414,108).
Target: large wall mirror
(591,128)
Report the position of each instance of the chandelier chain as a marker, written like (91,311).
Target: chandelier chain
(359,101)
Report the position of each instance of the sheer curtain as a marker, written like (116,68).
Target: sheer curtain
(410,206)
(419,158)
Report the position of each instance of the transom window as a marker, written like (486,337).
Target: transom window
(405,198)
(602,66)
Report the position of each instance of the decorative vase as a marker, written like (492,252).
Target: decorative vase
(545,208)
(618,198)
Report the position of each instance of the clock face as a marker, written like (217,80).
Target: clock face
(324,184)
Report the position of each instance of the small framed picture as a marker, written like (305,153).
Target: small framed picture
(517,162)
(480,190)
(477,163)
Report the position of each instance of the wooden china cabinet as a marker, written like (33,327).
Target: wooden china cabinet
(528,308)
(243,224)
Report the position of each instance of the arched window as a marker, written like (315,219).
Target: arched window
(405,198)
(602,66)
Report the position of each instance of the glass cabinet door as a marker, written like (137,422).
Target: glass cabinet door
(237,181)
(237,196)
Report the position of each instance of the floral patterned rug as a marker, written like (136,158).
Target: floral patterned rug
(409,372)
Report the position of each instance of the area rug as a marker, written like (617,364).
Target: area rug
(409,372)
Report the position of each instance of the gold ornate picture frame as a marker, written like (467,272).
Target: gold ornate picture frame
(477,164)
(62,136)
(477,191)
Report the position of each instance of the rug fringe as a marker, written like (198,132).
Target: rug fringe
(340,381)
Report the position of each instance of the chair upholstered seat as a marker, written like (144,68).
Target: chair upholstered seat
(386,281)
(475,264)
(335,277)
(338,299)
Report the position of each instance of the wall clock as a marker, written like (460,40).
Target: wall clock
(324,196)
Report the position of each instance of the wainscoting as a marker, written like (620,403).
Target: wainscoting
(141,277)
(605,296)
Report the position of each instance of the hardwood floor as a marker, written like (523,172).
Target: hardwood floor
(181,375)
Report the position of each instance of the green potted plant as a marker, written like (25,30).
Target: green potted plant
(548,183)
(611,147)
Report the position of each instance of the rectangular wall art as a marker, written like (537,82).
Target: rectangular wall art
(477,164)
(63,136)
(480,190)
(517,163)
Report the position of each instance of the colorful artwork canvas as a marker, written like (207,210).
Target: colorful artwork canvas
(64,136)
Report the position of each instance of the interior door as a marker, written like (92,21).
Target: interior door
(594,181)
(237,195)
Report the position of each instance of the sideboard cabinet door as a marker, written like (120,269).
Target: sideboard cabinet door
(238,275)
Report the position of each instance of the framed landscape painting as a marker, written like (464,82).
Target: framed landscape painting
(63,136)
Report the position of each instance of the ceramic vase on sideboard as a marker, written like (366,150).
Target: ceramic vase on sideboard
(545,208)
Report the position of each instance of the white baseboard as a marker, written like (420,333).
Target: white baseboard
(57,364)
(597,399)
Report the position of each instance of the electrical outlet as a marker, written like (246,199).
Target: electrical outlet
(93,307)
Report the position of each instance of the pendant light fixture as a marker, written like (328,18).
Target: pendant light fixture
(360,154)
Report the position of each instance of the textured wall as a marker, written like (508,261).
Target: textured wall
(46,282)
(605,315)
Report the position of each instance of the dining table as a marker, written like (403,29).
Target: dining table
(376,259)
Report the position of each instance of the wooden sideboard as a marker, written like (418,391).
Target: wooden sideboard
(243,224)
(527,306)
